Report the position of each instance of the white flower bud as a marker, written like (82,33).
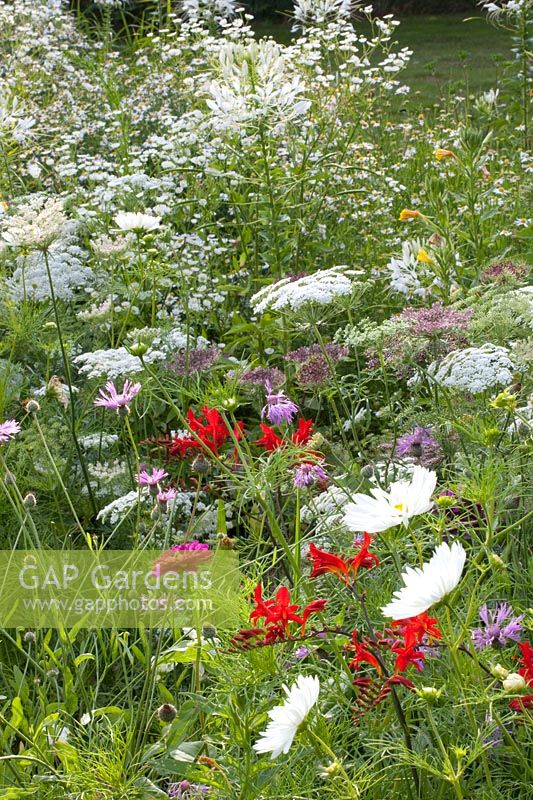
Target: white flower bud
(514,683)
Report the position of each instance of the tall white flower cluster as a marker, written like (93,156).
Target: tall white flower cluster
(255,81)
(14,122)
(408,275)
(509,7)
(321,287)
(36,223)
(312,12)
(474,369)
(216,10)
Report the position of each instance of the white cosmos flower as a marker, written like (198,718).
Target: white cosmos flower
(428,585)
(129,221)
(286,719)
(386,509)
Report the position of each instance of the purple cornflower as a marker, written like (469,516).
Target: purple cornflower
(436,319)
(197,360)
(306,474)
(145,478)
(333,351)
(8,429)
(496,631)
(118,401)
(279,408)
(188,791)
(259,376)
(421,446)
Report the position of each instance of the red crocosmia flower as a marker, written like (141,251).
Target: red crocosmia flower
(526,670)
(303,432)
(270,441)
(344,568)
(364,558)
(278,614)
(407,655)
(522,703)
(314,607)
(414,629)
(210,429)
(324,562)
(362,654)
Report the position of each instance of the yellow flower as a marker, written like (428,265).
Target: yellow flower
(441,153)
(407,213)
(424,257)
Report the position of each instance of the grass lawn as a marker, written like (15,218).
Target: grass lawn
(450,54)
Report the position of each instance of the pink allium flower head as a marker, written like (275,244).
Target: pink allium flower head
(279,408)
(8,429)
(118,401)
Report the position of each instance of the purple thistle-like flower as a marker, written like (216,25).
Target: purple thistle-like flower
(279,408)
(420,445)
(197,360)
(8,429)
(145,478)
(166,496)
(118,401)
(184,790)
(499,627)
(306,474)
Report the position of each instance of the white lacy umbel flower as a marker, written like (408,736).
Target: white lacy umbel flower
(69,272)
(312,12)
(113,363)
(254,81)
(36,223)
(474,369)
(427,585)
(386,509)
(285,720)
(130,221)
(287,294)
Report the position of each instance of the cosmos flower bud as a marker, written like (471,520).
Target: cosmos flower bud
(10,479)
(430,694)
(514,683)
(230,403)
(499,672)
(29,637)
(331,769)
(496,561)
(367,471)
(167,712)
